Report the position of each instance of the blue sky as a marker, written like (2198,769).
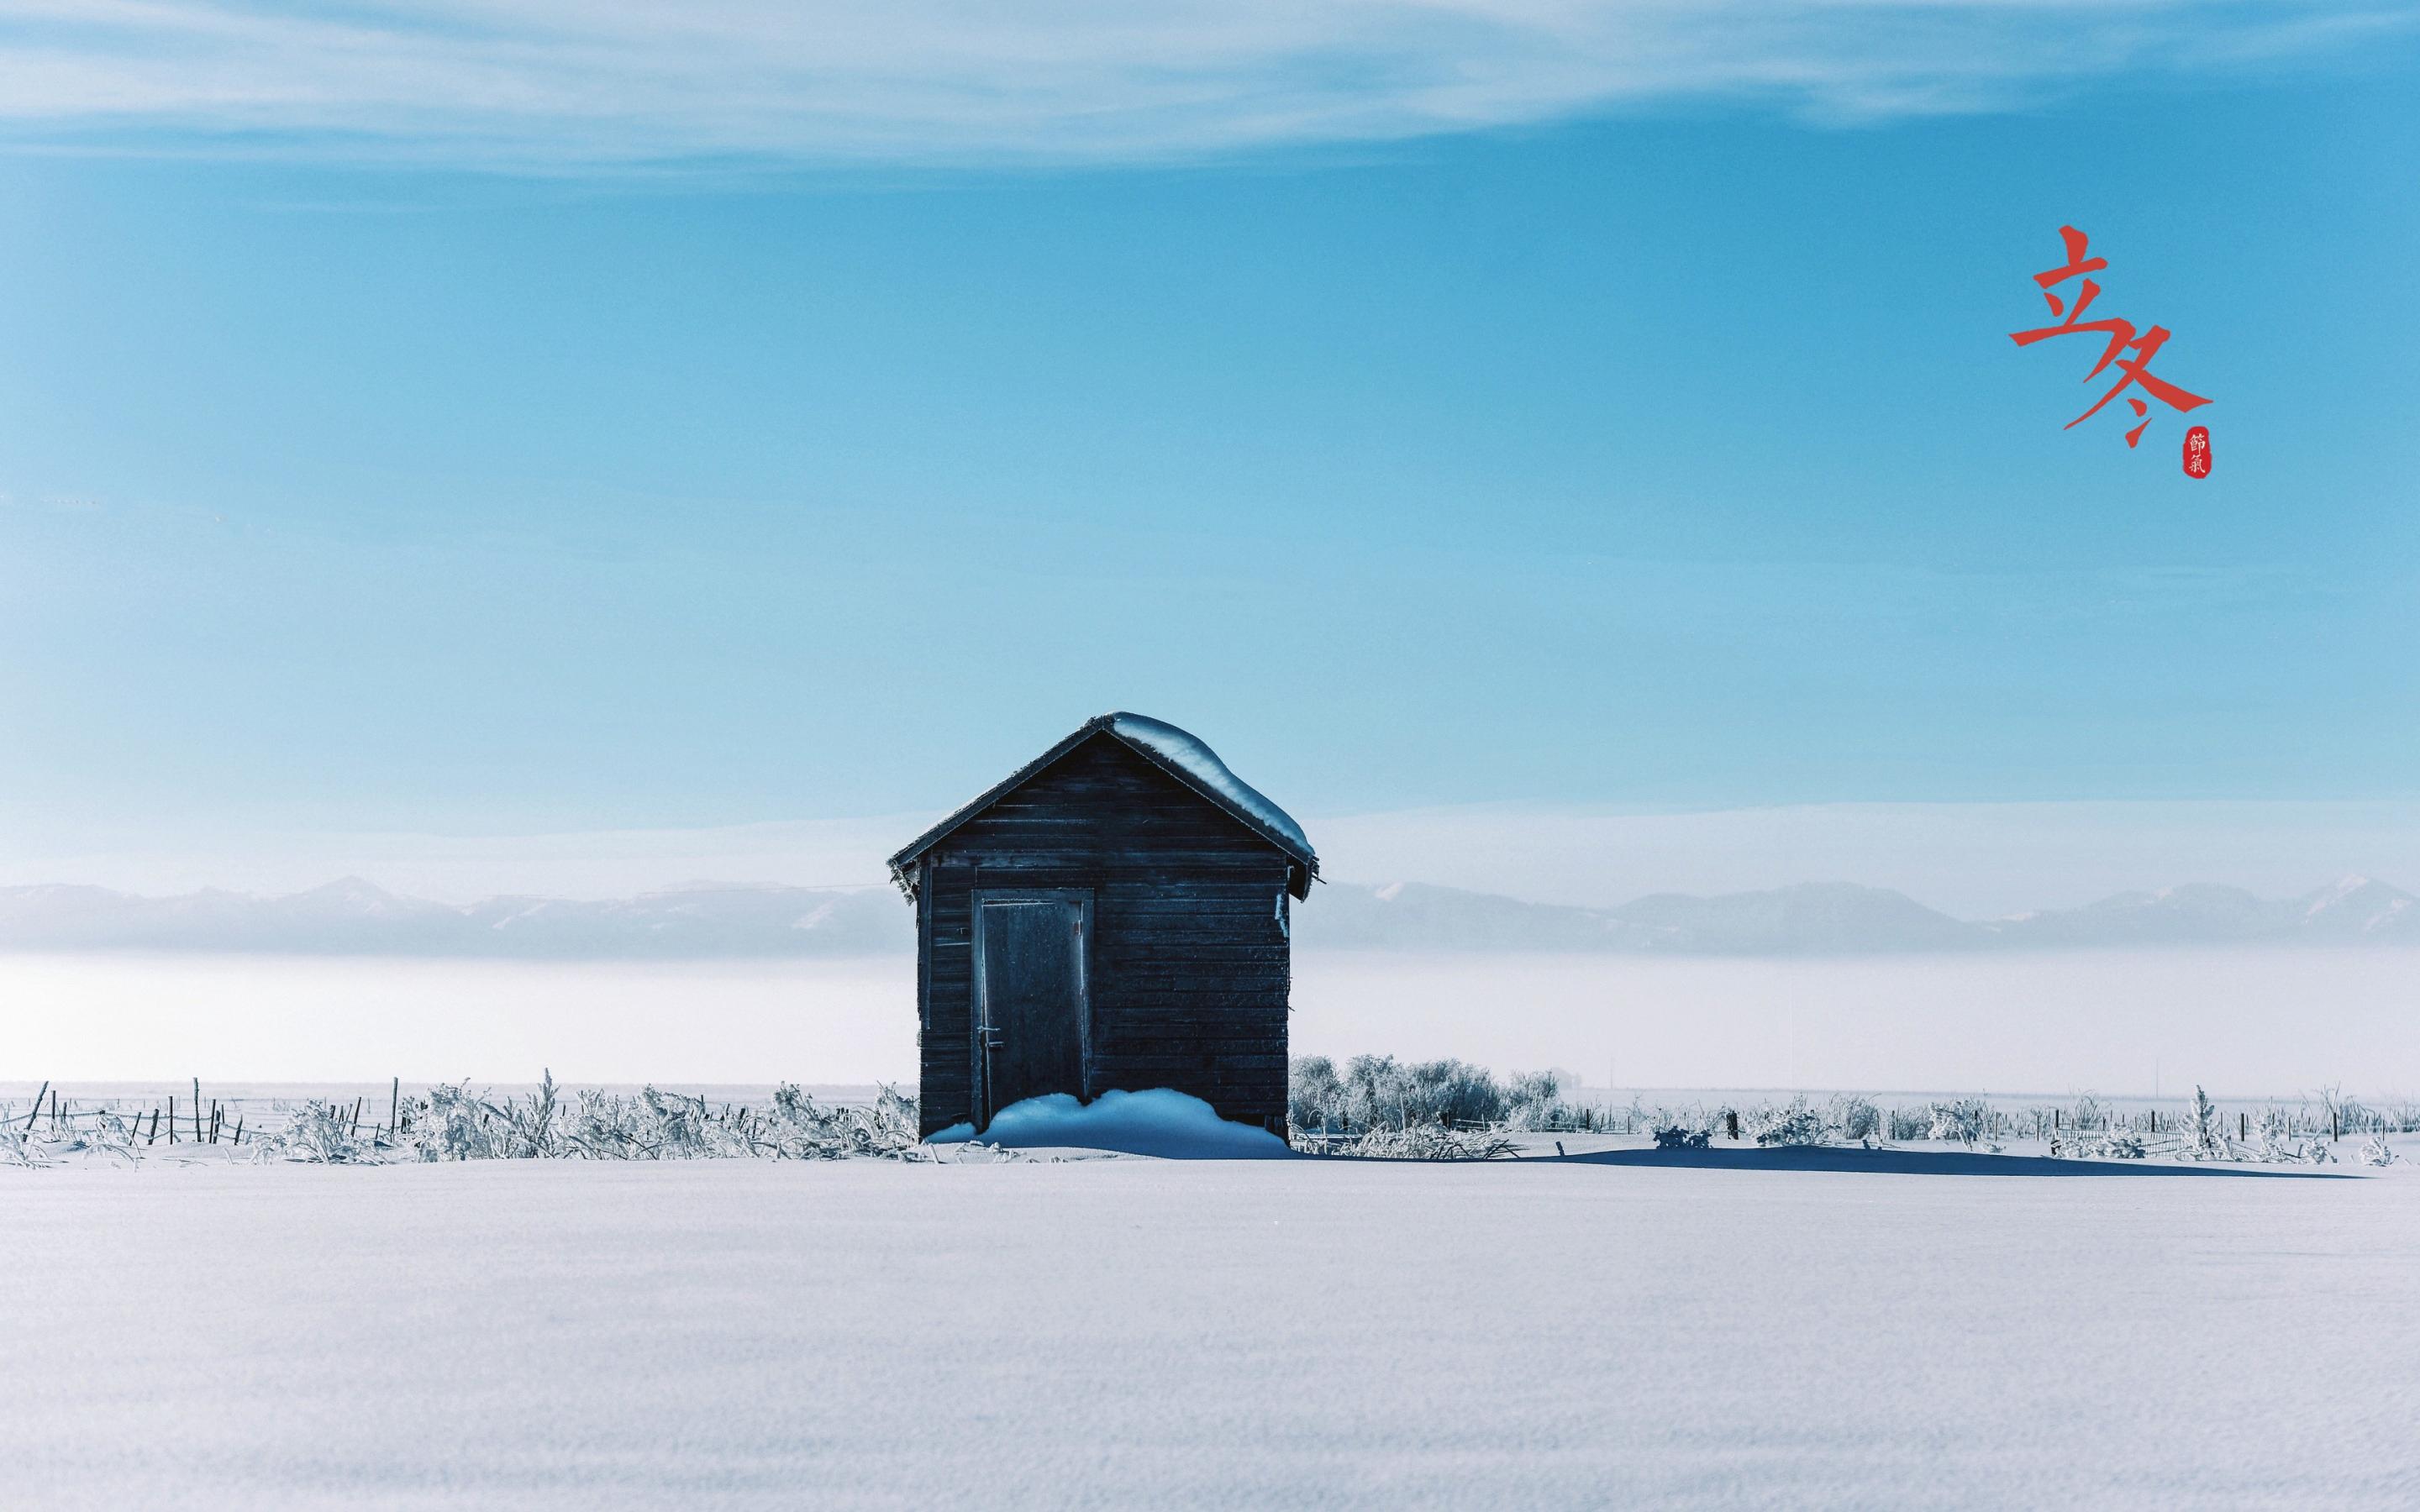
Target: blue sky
(368,469)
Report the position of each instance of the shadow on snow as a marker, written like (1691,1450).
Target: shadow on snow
(1906,1162)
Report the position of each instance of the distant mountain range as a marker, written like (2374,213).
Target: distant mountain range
(355,918)
(1842,919)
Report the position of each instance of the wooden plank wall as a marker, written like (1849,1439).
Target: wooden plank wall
(1191,969)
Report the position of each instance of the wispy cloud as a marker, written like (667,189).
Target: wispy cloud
(572,82)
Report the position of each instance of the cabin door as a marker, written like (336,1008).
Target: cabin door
(1032,1012)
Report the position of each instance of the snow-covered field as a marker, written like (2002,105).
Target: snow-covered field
(1124,1332)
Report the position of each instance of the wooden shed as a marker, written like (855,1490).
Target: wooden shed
(1114,914)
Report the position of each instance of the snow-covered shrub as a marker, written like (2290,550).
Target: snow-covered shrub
(1797,1125)
(452,1123)
(1907,1123)
(532,1126)
(1423,1141)
(107,1134)
(2204,1134)
(1678,1137)
(2377,1152)
(2113,1144)
(1535,1101)
(1381,1092)
(1850,1116)
(679,1128)
(1314,1093)
(1963,1121)
(654,1125)
(318,1133)
(2276,1140)
(17,1148)
(2275,1131)
(2355,1117)
(799,1128)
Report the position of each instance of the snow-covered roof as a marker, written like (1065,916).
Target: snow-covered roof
(1182,749)
(1178,752)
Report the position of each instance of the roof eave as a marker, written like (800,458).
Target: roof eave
(904,862)
(908,854)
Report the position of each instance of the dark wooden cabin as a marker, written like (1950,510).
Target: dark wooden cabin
(1113,915)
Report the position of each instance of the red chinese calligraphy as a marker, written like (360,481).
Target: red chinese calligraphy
(2135,370)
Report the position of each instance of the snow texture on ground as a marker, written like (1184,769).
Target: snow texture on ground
(1153,1122)
(1121,1333)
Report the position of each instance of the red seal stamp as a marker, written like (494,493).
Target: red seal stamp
(2197,452)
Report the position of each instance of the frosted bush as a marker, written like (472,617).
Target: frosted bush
(17,1148)
(604,1126)
(1797,1125)
(799,1128)
(1962,1122)
(1423,1141)
(1381,1092)
(107,1134)
(1535,1101)
(654,1125)
(530,1127)
(677,1128)
(2275,1140)
(1432,1092)
(1676,1136)
(2204,1136)
(2377,1152)
(2114,1143)
(317,1132)
(1314,1093)
(1853,1117)
(452,1123)
(1908,1123)
(2275,1131)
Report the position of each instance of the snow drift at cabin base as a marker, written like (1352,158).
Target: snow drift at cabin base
(1159,1122)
